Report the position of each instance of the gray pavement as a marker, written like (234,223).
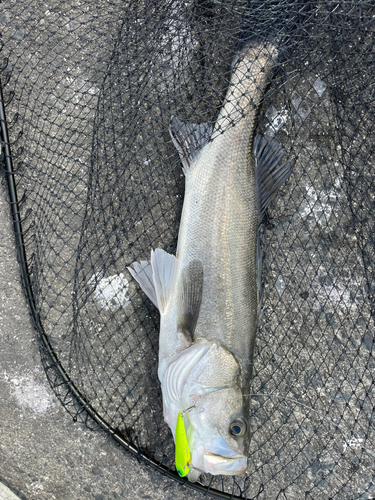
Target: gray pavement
(43,453)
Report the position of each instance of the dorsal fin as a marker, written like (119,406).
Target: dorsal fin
(269,175)
(189,139)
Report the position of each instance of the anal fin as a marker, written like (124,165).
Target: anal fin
(269,177)
(189,139)
(260,285)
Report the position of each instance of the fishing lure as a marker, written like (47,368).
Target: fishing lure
(182,452)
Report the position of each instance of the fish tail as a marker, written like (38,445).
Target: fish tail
(156,277)
(274,20)
(251,71)
(261,23)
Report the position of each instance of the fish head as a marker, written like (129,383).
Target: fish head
(205,383)
(218,432)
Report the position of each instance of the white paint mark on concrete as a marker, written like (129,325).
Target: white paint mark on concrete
(37,486)
(296,99)
(352,443)
(300,105)
(111,292)
(280,285)
(30,394)
(277,120)
(319,86)
(93,90)
(319,205)
(336,295)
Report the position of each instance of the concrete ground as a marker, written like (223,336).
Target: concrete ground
(43,453)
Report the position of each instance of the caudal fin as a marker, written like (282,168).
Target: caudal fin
(142,273)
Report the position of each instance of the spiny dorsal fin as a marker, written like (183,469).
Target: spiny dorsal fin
(189,139)
(156,277)
(269,175)
(190,298)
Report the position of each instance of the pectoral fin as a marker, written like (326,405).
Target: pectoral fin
(189,139)
(269,175)
(190,299)
(156,278)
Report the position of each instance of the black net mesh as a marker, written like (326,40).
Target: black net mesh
(89,88)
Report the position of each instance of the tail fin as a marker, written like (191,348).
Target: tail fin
(274,21)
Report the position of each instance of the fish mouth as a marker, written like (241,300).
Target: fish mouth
(219,464)
(215,458)
(225,465)
(218,458)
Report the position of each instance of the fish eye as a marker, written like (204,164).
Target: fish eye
(238,427)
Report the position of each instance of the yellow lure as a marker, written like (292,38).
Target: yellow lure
(182,452)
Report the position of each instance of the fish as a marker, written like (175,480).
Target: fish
(209,293)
